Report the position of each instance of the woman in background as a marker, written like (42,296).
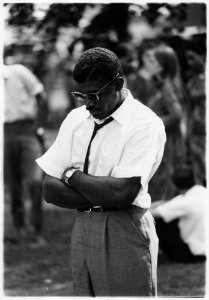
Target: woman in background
(140,83)
(167,102)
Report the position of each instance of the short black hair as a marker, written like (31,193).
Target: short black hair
(97,64)
(183,177)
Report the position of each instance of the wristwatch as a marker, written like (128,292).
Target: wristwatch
(67,175)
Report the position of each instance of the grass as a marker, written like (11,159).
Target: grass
(47,271)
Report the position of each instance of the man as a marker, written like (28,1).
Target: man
(103,171)
(24,116)
(180,222)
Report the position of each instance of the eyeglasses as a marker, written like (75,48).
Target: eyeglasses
(94,97)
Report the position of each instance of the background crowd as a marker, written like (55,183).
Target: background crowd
(162,49)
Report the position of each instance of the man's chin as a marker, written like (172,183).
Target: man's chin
(96,114)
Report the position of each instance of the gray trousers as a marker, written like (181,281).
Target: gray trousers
(114,253)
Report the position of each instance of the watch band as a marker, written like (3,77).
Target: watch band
(66,178)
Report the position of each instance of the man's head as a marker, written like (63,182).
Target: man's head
(98,76)
(183,178)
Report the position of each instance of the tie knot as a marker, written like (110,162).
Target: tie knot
(98,126)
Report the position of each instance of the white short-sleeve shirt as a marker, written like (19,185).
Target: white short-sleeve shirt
(190,210)
(131,145)
(21,87)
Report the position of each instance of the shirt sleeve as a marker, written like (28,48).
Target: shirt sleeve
(57,158)
(31,82)
(142,154)
(173,209)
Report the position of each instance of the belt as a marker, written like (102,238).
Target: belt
(19,122)
(21,126)
(99,209)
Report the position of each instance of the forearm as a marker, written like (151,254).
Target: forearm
(57,193)
(106,191)
(42,109)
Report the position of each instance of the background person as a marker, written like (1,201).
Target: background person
(24,118)
(166,103)
(74,52)
(141,82)
(180,222)
(100,164)
(127,55)
(196,115)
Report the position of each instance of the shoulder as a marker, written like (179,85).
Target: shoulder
(145,116)
(23,73)
(144,122)
(76,116)
(19,69)
(171,88)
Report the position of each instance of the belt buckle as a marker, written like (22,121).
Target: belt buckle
(98,209)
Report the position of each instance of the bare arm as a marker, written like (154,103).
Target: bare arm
(106,191)
(41,118)
(41,99)
(57,193)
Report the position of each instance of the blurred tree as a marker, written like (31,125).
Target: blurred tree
(60,15)
(56,16)
(21,14)
(113,18)
(110,22)
(174,16)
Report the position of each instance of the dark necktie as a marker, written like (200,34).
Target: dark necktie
(96,128)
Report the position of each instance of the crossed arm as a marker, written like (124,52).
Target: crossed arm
(86,190)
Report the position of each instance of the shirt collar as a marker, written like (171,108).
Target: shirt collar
(122,113)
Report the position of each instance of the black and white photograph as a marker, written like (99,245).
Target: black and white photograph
(104,149)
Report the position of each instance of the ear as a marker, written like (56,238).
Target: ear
(119,83)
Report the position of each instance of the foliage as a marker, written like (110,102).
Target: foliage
(21,14)
(106,28)
(175,13)
(61,15)
(113,16)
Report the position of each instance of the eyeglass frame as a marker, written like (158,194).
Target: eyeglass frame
(85,96)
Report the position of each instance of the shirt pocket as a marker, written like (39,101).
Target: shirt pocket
(106,162)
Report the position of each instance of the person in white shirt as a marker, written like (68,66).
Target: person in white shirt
(181,221)
(101,162)
(25,111)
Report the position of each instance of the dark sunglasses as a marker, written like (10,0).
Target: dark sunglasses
(94,97)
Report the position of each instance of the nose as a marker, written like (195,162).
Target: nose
(89,103)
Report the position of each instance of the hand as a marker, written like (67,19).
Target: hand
(40,133)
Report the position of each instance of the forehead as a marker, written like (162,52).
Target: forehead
(89,86)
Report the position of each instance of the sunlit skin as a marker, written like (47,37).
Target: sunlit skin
(109,100)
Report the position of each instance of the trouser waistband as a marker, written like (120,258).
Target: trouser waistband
(101,209)
(20,126)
